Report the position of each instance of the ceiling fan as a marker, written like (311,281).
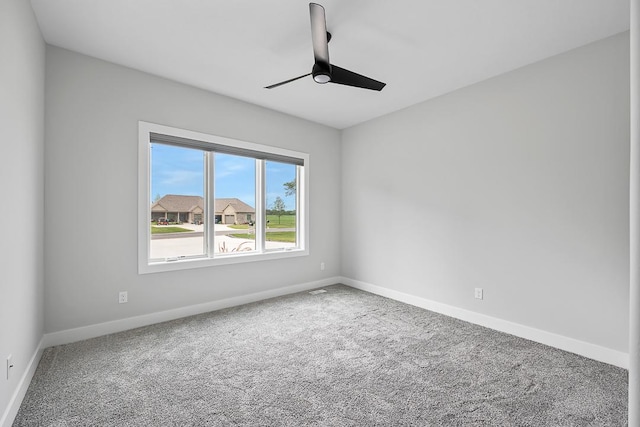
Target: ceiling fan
(323,71)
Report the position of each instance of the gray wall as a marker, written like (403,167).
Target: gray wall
(518,185)
(91,172)
(21,193)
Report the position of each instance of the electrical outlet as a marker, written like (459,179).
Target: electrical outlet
(123,297)
(322,266)
(9,364)
(478,293)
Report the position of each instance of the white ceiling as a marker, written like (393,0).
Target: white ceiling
(420,48)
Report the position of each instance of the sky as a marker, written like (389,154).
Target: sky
(178,170)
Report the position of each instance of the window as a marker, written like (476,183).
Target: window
(281,208)
(207,200)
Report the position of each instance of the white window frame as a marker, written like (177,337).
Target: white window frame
(145,265)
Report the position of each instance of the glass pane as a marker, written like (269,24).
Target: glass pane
(235,196)
(281,205)
(177,202)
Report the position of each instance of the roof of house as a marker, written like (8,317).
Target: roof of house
(180,203)
(237,204)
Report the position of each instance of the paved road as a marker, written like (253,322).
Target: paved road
(219,232)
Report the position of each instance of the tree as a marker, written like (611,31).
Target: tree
(158,197)
(290,188)
(278,208)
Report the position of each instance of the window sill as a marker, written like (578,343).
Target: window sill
(190,263)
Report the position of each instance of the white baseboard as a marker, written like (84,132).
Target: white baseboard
(21,389)
(92,331)
(592,351)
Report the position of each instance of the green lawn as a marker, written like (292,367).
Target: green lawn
(168,229)
(286,221)
(278,236)
(282,236)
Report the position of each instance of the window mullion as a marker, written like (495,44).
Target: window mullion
(261,218)
(209,202)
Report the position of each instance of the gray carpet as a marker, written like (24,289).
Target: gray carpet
(340,358)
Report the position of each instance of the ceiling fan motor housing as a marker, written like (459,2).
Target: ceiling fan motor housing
(321,73)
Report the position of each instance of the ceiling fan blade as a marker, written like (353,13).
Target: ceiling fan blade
(349,78)
(287,81)
(319,34)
